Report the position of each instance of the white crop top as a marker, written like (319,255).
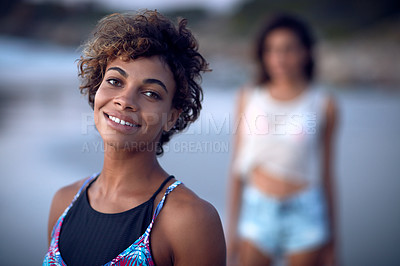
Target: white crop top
(282,137)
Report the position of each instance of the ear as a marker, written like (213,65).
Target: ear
(173,115)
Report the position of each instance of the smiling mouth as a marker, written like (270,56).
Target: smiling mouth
(121,121)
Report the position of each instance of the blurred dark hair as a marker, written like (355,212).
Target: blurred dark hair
(144,34)
(295,25)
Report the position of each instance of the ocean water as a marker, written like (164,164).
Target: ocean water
(48,140)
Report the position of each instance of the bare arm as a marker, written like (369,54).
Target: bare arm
(328,142)
(235,182)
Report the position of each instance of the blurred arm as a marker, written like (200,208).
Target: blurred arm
(328,142)
(235,181)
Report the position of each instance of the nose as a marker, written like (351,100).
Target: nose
(125,102)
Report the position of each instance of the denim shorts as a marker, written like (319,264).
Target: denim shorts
(295,224)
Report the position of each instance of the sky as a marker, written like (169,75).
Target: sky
(213,5)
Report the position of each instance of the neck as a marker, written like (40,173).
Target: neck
(123,170)
(289,84)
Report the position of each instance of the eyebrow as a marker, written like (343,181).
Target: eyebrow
(120,70)
(156,81)
(146,81)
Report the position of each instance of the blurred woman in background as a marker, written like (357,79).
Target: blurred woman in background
(281,190)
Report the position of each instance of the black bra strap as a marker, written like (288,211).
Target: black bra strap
(162,185)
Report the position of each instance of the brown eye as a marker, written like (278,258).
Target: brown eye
(114,82)
(152,95)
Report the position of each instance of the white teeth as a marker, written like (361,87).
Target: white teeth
(120,121)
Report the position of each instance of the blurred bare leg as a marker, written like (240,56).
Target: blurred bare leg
(305,258)
(250,255)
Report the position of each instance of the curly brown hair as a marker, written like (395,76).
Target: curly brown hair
(145,34)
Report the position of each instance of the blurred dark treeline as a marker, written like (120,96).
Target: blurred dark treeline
(331,18)
(359,39)
(70,24)
(51,21)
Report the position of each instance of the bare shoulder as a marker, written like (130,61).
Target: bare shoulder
(245,89)
(192,223)
(61,199)
(184,203)
(247,86)
(63,196)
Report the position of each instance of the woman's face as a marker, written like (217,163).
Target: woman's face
(133,104)
(284,56)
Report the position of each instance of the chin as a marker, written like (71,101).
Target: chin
(129,145)
(121,145)
(282,75)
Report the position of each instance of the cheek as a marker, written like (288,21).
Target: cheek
(155,117)
(272,60)
(266,60)
(297,58)
(101,97)
(99,101)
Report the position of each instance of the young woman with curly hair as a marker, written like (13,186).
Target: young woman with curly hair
(141,74)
